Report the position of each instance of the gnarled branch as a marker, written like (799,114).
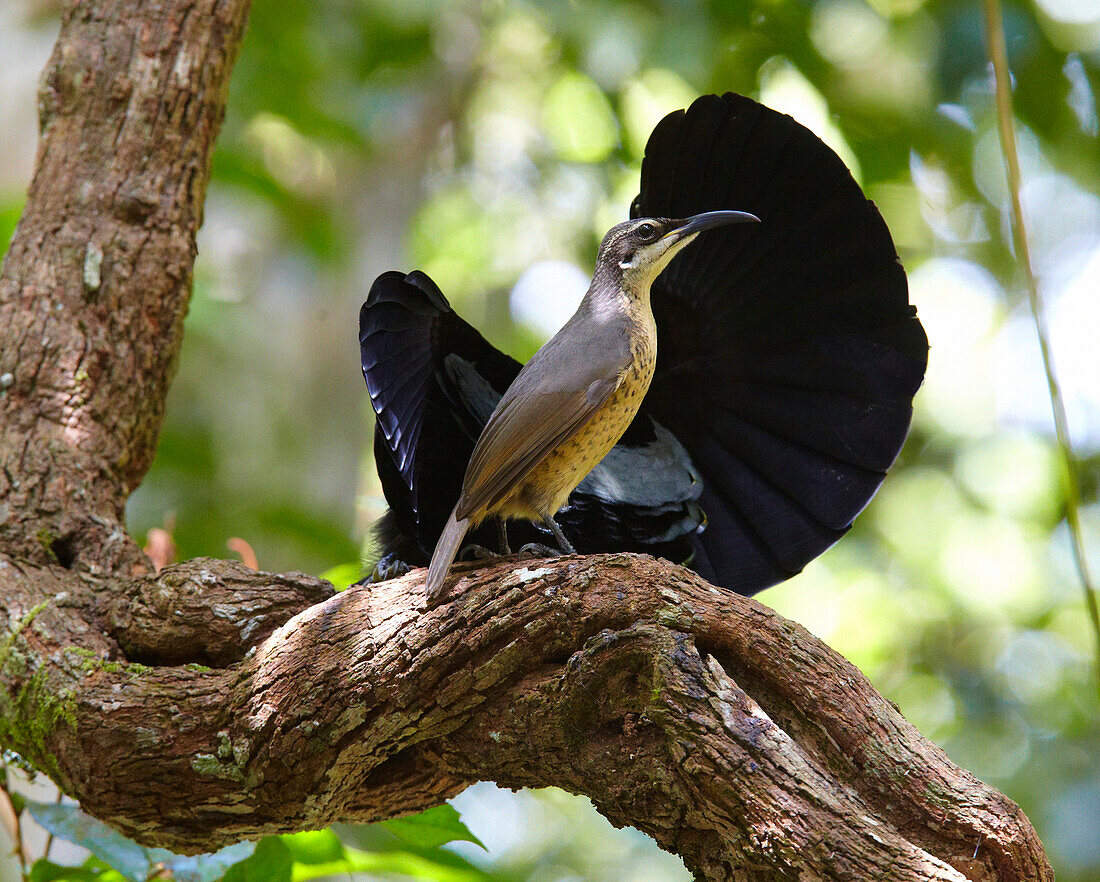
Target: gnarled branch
(210,702)
(731,735)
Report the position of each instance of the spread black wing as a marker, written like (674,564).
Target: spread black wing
(788,354)
(425,430)
(433,382)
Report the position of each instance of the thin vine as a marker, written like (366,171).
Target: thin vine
(998,53)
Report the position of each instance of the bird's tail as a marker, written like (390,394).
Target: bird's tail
(443,556)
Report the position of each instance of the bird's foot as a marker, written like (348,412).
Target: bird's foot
(474,551)
(389,566)
(537,549)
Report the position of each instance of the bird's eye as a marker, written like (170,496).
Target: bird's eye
(646,232)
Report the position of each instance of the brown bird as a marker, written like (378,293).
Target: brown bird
(573,400)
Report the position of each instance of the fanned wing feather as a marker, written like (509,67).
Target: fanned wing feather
(425,429)
(788,353)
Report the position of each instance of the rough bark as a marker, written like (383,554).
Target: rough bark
(731,735)
(96,282)
(209,702)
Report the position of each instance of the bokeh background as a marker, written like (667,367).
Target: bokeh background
(491,144)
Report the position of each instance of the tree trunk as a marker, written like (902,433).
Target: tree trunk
(210,703)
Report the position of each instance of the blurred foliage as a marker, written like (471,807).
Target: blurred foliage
(492,143)
(411,850)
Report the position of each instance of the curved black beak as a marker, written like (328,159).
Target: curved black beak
(708,219)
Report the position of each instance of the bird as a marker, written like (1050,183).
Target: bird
(570,404)
(787,358)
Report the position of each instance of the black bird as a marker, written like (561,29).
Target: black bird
(787,361)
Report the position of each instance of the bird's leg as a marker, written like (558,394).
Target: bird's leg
(473,551)
(563,543)
(537,549)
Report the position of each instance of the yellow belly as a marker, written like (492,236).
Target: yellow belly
(547,487)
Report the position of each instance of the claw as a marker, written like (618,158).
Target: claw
(388,567)
(476,552)
(537,549)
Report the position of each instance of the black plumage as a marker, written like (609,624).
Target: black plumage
(787,359)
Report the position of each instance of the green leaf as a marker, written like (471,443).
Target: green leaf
(103,872)
(391,863)
(71,824)
(579,119)
(270,862)
(314,847)
(432,828)
(46,871)
(10,209)
(343,575)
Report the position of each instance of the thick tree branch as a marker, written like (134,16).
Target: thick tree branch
(210,702)
(732,736)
